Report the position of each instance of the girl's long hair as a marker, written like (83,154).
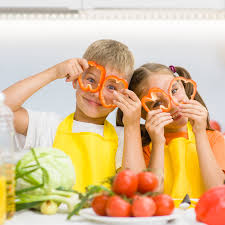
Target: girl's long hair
(140,75)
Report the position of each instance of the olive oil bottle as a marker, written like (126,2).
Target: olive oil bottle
(7,147)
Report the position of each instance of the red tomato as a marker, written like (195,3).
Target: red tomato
(134,196)
(210,208)
(125,183)
(147,181)
(117,207)
(99,204)
(215,125)
(164,204)
(143,207)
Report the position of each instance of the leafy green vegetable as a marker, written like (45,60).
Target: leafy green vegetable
(90,192)
(45,174)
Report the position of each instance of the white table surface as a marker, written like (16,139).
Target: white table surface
(35,218)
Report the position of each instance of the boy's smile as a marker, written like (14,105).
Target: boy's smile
(89,104)
(92,101)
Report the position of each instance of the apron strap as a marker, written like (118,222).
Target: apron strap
(110,132)
(191,136)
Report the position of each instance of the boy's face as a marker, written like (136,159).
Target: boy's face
(89,103)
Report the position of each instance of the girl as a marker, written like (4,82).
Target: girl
(179,142)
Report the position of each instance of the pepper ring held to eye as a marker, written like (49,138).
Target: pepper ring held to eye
(176,82)
(111,83)
(91,80)
(156,98)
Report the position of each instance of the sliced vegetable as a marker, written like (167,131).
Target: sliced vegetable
(152,97)
(90,87)
(185,81)
(110,84)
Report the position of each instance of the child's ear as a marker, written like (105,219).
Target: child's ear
(75,83)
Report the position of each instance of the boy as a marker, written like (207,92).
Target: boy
(86,136)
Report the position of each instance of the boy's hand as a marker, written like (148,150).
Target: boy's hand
(197,114)
(71,69)
(156,120)
(130,105)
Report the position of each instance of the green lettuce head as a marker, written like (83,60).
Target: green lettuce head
(56,169)
(45,174)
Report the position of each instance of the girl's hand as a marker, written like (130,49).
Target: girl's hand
(70,69)
(197,114)
(156,120)
(130,105)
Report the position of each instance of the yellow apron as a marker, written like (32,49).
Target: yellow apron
(181,168)
(93,155)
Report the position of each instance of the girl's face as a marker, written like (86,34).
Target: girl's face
(162,81)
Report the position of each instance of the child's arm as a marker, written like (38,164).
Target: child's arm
(130,104)
(155,122)
(19,92)
(210,170)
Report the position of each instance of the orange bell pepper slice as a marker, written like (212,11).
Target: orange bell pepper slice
(89,87)
(118,80)
(151,98)
(186,81)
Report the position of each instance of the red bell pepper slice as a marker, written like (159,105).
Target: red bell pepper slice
(152,98)
(101,95)
(89,87)
(186,81)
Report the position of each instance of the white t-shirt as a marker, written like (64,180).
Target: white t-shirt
(43,126)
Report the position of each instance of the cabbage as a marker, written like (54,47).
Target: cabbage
(45,174)
(58,166)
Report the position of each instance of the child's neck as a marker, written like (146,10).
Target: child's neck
(80,116)
(176,130)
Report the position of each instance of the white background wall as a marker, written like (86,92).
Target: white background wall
(28,47)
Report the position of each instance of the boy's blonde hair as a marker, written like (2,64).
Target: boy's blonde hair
(113,54)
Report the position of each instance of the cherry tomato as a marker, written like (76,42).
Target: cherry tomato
(117,207)
(143,207)
(147,181)
(134,196)
(125,183)
(164,205)
(99,204)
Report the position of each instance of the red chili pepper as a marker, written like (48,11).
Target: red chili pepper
(151,98)
(118,80)
(186,81)
(89,87)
